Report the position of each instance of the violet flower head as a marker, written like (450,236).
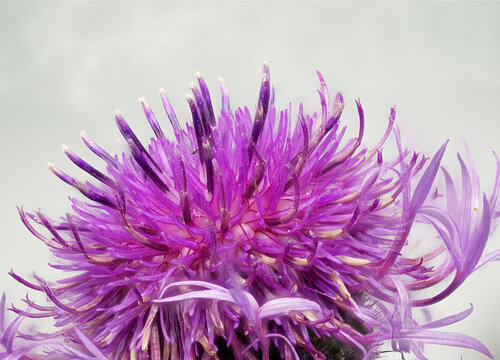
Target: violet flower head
(254,234)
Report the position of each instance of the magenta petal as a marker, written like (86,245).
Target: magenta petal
(492,256)
(89,345)
(285,305)
(10,333)
(2,313)
(424,185)
(449,319)
(479,237)
(203,294)
(444,338)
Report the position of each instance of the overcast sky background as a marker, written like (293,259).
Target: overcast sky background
(65,67)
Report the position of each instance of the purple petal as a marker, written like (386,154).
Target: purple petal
(424,185)
(285,305)
(445,338)
(449,319)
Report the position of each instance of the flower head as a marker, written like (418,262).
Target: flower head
(247,237)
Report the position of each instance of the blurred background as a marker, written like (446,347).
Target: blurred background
(65,67)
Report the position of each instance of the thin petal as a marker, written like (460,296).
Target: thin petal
(285,305)
(449,319)
(425,183)
(445,338)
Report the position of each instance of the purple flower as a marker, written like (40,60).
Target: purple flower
(249,238)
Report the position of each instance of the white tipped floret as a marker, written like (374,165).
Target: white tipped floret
(266,67)
(197,74)
(142,100)
(192,85)
(219,79)
(53,168)
(83,134)
(162,91)
(188,97)
(117,112)
(266,70)
(64,148)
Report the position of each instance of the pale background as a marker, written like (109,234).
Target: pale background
(65,67)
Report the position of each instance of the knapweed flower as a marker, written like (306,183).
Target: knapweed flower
(255,234)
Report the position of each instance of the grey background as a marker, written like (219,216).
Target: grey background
(65,67)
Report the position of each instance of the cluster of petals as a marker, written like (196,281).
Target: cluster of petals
(255,235)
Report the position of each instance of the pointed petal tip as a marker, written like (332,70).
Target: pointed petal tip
(83,134)
(320,76)
(120,120)
(443,148)
(266,67)
(64,148)
(393,113)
